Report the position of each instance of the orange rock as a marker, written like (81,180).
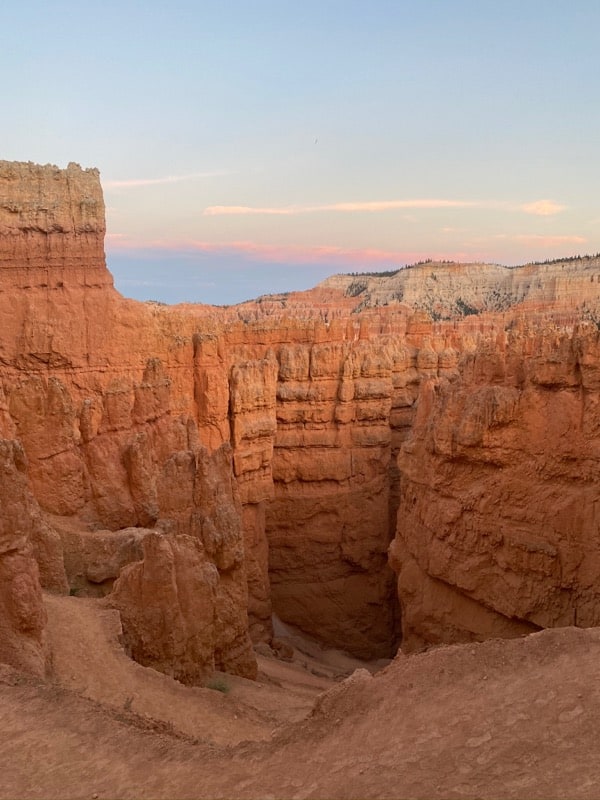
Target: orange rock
(184,604)
(272,446)
(498,521)
(22,614)
(167,604)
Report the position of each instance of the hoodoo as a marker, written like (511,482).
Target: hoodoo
(199,469)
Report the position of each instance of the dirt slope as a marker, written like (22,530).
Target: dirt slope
(88,659)
(506,719)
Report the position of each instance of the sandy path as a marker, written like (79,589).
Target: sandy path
(89,660)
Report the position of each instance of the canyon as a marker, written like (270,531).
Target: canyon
(397,460)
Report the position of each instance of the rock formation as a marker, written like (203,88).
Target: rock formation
(113,453)
(184,603)
(446,290)
(499,515)
(22,614)
(200,468)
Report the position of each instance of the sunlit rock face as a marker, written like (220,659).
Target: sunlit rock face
(52,220)
(267,454)
(99,394)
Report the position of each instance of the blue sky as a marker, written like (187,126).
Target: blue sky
(249,147)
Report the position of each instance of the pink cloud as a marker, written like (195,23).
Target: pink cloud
(540,208)
(346,258)
(285,254)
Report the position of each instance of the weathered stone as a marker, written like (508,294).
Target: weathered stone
(22,614)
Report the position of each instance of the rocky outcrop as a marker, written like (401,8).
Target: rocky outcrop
(184,604)
(22,614)
(447,290)
(498,521)
(94,392)
(51,220)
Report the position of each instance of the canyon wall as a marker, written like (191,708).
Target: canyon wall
(202,468)
(499,520)
(446,290)
(22,614)
(98,396)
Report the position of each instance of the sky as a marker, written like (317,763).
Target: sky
(257,146)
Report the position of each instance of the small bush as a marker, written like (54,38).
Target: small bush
(464,308)
(219,685)
(356,288)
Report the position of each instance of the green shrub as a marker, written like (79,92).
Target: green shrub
(219,684)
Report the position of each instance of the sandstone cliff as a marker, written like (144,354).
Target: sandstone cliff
(266,455)
(52,220)
(22,614)
(106,430)
(499,518)
(447,290)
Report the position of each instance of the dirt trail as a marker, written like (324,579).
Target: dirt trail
(503,719)
(87,658)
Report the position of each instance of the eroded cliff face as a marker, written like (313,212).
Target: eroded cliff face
(202,468)
(98,392)
(446,290)
(52,219)
(499,516)
(189,586)
(312,446)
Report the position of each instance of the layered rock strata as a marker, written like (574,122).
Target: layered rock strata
(52,220)
(499,519)
(446,290)
(266,455)
(101,401)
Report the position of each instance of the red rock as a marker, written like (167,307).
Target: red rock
(498,521)
(22,614)
(364,400)
(168,603)
(184,604)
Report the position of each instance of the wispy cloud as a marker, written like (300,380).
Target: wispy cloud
(352,207)
(543,208)
(219,211)
(137,182)
(308,254)
(540,208)
(540,239)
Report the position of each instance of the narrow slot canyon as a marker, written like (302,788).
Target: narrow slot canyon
(313,458)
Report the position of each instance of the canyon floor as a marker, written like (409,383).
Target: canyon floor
(503,719)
